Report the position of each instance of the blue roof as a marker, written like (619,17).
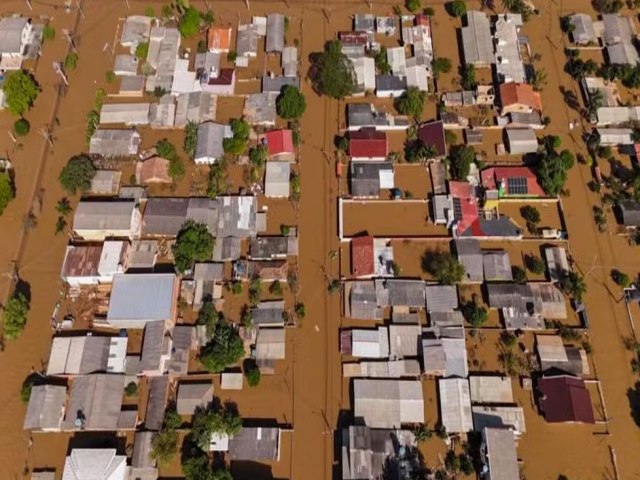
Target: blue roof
(140,298)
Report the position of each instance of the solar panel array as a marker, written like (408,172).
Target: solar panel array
(517,186)
(457,209)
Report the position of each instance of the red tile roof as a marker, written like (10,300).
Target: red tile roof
(219,38)
(492,176)
(432,133)
(465,205)
(279,142)
(362,256)
(565,399)
(368,143)
(353,38)
(520,93)
(423,20)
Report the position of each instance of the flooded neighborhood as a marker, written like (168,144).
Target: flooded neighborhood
(325,240)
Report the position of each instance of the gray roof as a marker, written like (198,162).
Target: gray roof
(227,248)
(444,356)
(115,215)
(447,322)
(193,395)
(387,83)
(364,22)
(247,41)
(469,254)
(476,39)
(497,266)
(276,179)
(500,454)
(364,177)
(521,140)
(630,211)
(208,271)
(499,416)
(237,216)
(623,54)
(43,475)
(106,182)
(195,107)
(365,115)
(617,29)
(269,248)
(184,339)
(46,407)
(140,298)
(583,28)
(210,139)
(152,346)
(363,303)
(11,34)
(387,403)
(141,457)
(268,313)
(158,392)
(115,142)
(135,30)
(165,216)
(142,254)
(404,340)
(276,84)
(255,444)
(95,399)
(290,62)
(270,344)
(490,389)
(455,405)
(275,33)
(441,298)
(260,108)
(127,113)
(125,64)
(524,306)
(80,355)
(400,293)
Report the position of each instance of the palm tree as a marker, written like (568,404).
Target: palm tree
(61,224)
(539,79)
(63,207)
(596,100)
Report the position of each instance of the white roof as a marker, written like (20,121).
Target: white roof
(522,140)
(617,115)
(184,81)
(365,70)
(270,344)
(95,463)
(110,258)
(388,403)
(276,179)
(615,136)
(231,381)
(417,77)
(455,405)
(476,39)
(507,55)
(403,340)
(490,389)
(140,298)
(397,60)
(499,416)
(557,262)
(127,113)
(368,343)
(551,348)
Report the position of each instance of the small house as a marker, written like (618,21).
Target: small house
(158,388)
(509,64)
(125,113)
(86,354)
(564,399)
(143,466)
(521,141)
(135,31)
(280,145)
(368,144)
(209,145)
(470,255)
(370,343)
(614,137)
(19,39)
(583,32)
(255,444)
(557,263)
(125,65)
(367,178)
(103,463)
(183,343)
(231,381)
(361,301)
(388,85)
(276,179)
(289,61)
(193,395)
(630,213)
(477,44)
(219,39)
(268,314)
(498,454)
(362,261)
(156,349)
(46,407)
(275,33)
(388,403)
(365,70)
(115,143)
(105,182)
(554,355)
(270,346)
(260,109)
(431,134)
(490,389)
(90,264)
(153,170)
(361,115)
(497,266)
(519,98)
(272,248)
(132,86)
(441,298)
(207,279)
(94,220)
(454,400)
(94,404)
(246,44)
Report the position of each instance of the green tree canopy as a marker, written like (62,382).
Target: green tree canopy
(443,266)
(191,138)
(20,90)
(460,159)
(189,23)
(194,243)
(552,174)
(77,174)
(238,143)
(225,348)
(468,77)
(291,104)
(441,65)
(142,50)
(332,72)
(382,62)
(15,315)
(7,193)
(164,446)
(413,5)
(197,468)
(411,102)
(207,421)
(574,285)
(457,8)
(476,315)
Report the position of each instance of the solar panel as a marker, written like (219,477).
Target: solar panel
(517,186)
(457,209)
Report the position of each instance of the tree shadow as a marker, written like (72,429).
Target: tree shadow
(633,395)
(23,288)
(570,99)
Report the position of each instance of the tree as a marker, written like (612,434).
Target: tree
(197,468)
(172,420)
(574,285)
(519,275)
(142,50)
(110,76)
(252,373)
(416,152)
(226,348)
(77,174)
(552,175)
(457,8)
(275,288)
(422,433)
(194,243)
(411,102)
(206,422)
(460,159)
(466,465)
(382,62)
(222,474)
(332,72)
(48,32)
(413,5)
(21,127)
(452,461)
(476,315)
(208,315)
(190,138)
(441,65)
(176,169)
(258,156)
(26,387)
(517,6)
(238,143)
(71,61)
(532,216)
(20,90)
(164,446)
(508,339)
(189,23)
(149,12)
(61,224)
(621,278)
(207,18)
(15,315)
(535,264)
(291,103)
(468,77)
(539,79)
(131,390)
(7,192)
(443,266)
(300,310)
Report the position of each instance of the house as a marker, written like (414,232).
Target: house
(442,210)
(362,115)
(275,33)
(370,343)
(183,342)
(384,403)
(192,396)
(207,279)
(237,216)
(367,453)
(615,136)
(164,46)
(417,76)
(520,98)
(46,408)
(94,220)
(470,256)
(557,263)
(386,25)
(511,182)
(102,463)
(84,354)
(219,39)
(397,60)
(395,292)
(617,115)
(115,143)
(605,90)
(140,298)
(390,85)
(132,86)
(289,61)
(126,113)
(431,134)
(164,216)
(156,349)
(619,34)
(135,31)
(497,266)
(275,83)
(260,109)
(444,351)
(509,65)
(105,182)
(142,255)
(94,403)
(404,341)
(555,355)
(143,466)
(231,381)
(509,417)
(268,314)
(630,213)
(209,145)
(624,53)
(521,141)
(163,113)
(89,264)
(125,65)
(498,454)
(255,444)
(279,145)
(272,248)
(441,298)
(195,107)
(583,32)
(368,144)
(361,301)
(368,178)
(246,44)
(477,44)
(407,368)
(17,37)
(270,346)
(362,261)
(365,70)
(353,44)
(364,22)
(490,389)
(153,170)
(454,400)
(565,399)
(218,81)
(525,306)
(156,402)
(276,179)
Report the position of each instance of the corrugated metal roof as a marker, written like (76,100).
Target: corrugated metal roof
(276,179)
(115,215)
(192,396)
(490,389)
(46,407)
(370,343)
(95,401)
(255,444)
(140,298)
(441,298)
(158,391)
(102,463)
(501,454)
(275,33)
(494,416)
(455,405)
(270,344)
(476,39)
(497,266)
(388,403)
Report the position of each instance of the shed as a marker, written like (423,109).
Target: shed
(209,145)
(231,381)
(441,298)
(521,141)
(473,136)
(270,344)
(477,43)
(132,86)
(454,400)
(268,314)
(126,113)
(557,263)
(276,179)
(470,255)
(630,213)
(290,61)
(105,182)
(490,389)
(498,452)
(370,343)
(46,408)
(384,403)
(114,143)
(154,170)
(255,444)
(583,31)
(156,403)
(125,65)
(497,266)
(565,399)
(192,396)
(94,402)
(275,33)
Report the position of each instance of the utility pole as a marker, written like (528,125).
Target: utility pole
(29,4)
(13,137)
(246,2)
(70,40)
(46,135)
(57,66)
(80,8)
(127,2)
